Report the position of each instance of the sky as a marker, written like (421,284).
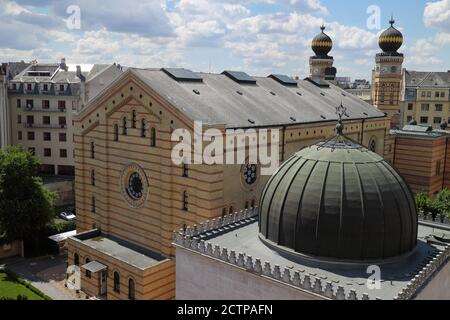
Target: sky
(259,37)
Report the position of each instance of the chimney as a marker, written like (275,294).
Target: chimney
(79,72)
(63,64)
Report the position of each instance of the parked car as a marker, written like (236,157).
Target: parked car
(67,216)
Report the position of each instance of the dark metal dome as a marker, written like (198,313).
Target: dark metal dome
(391,39)
(322,44)
(339,201)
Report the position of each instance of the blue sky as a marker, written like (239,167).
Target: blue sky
(257,36)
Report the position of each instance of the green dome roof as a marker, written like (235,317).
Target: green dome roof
(340,201)
(390,40)
(322,44)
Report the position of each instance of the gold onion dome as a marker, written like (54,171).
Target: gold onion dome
(322,44)
(391,40)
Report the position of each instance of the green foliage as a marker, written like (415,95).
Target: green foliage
(26,206)
(438,207)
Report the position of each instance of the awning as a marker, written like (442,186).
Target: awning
(94,267)
(63,236)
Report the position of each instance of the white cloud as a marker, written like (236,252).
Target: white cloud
(437,14)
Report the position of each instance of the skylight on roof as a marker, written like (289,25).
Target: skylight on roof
(283,79)
(318,82)
(179,74)
(239,76)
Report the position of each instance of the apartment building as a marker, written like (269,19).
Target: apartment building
(42,100)
(426,98)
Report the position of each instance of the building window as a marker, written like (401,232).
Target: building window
(185,201)
(14,86)
(30,120)
(63,153)
(62,137)
(224,212)
(373,144)
(231,211)
(124,126)
(133,119)
(428,94)
(19,119)
(437,120)
(93,177)
(29,87)
(425,107)
(92,150)
(438,167)
(47,152)
(30,104)
(45,104)
(423,120)
(61,87)
(88,273)
(143,128)
(253,203)
(410,106)
(93,208)
(30,135)
(436,94)
(19,135)
(116,282)
(45,87)
(442,94)
(439,107)
(423,94)
(47,136)
(153,137)
(131,290)
(61,105)
(116,132)
(62,121)
(394,69)
(76,259)
(19,104)
(185,170)
(46,120)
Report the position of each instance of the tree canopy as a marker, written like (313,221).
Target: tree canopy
(26,206)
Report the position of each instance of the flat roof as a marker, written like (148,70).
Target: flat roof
(94,266)
(122,250)
(395,275)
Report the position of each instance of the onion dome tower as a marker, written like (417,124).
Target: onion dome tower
(338,201)
(387,75)
(321,64)
(391,40)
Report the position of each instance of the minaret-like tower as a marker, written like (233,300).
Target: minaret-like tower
(321,64)
(387,76)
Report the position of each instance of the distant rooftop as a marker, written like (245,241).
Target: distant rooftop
(420,131)
(427,79)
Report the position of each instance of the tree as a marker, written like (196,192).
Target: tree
(26,206)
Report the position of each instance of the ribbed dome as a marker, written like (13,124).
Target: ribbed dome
(337,200)
(322,44)
(391,40)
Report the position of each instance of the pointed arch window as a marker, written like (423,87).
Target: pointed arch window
(93,177)
(185,201)
(143,129)
(116,282)
(92,150)
(116,132)
(131,290)
(133,119)
(153,137)
(76,259)
(124,126)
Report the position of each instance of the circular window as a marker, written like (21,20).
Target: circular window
(134,185)
(249,174)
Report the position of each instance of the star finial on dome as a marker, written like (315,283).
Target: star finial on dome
(392,21)
(322,27)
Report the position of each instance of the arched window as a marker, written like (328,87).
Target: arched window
(185,201)
(153,137)
(231,210)
(143,128)
(131,290)
(88,273)
(133,119)
(76,259)
(373,144)
(246,205)
(116,132)
(185,170)
(92,150)
(93,177)
(253,203)
(124,126)
(393,69)
(116,282)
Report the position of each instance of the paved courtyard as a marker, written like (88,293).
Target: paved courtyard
(46,274)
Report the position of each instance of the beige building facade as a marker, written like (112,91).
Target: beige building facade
(42,101)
